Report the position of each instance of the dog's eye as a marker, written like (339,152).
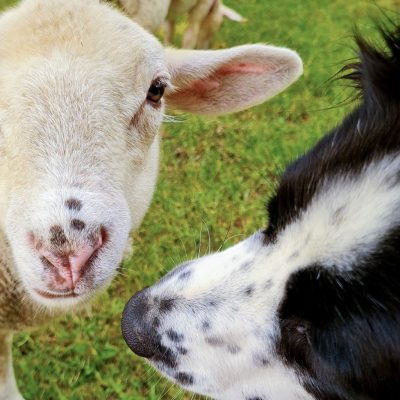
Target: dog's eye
(156,92)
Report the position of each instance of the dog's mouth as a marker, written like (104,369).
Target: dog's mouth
(56,295)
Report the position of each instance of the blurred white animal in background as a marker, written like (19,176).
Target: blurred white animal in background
(150,14)
(204,18)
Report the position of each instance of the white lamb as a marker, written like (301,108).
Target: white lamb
(81,103)
(204,18)
(150,14)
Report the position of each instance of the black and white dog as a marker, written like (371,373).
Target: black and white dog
(309,308)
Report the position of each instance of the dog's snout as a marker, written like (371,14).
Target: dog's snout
(136,331)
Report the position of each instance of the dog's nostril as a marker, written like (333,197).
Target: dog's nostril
(136,330)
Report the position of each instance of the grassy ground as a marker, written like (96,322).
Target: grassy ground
(214,179)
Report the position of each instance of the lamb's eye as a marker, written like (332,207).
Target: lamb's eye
(156,92)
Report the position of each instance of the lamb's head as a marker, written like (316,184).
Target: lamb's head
(81,103)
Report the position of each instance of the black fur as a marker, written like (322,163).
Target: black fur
(371,131)
(341,330)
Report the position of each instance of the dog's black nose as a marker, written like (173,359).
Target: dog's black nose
(136,332)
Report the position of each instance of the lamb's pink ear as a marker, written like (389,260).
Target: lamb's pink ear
(222,81)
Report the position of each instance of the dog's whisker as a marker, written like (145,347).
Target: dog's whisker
(209,237)
(226,235)
(184,248)
(233,236)
(167,388)
(180,391)
(200,239)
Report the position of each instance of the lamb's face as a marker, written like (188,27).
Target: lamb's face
(80,107)
(80,151)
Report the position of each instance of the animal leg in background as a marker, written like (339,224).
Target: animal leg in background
(196,16)
(169,31)
(210,26)
(8,386)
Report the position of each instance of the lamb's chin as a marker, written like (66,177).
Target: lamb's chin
(52,303)
(57,303)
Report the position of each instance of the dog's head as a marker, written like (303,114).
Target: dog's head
(309,307)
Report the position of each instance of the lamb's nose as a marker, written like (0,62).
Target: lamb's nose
(135,330)
(66,262)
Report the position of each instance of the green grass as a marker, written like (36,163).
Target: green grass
(214,179)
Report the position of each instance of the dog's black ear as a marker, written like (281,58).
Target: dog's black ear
(341,331)
(377,73)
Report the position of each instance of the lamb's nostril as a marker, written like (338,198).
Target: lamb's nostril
(136,331)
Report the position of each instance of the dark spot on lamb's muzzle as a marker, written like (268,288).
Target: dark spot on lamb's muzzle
(77,224)
(57,236)
(73,204)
